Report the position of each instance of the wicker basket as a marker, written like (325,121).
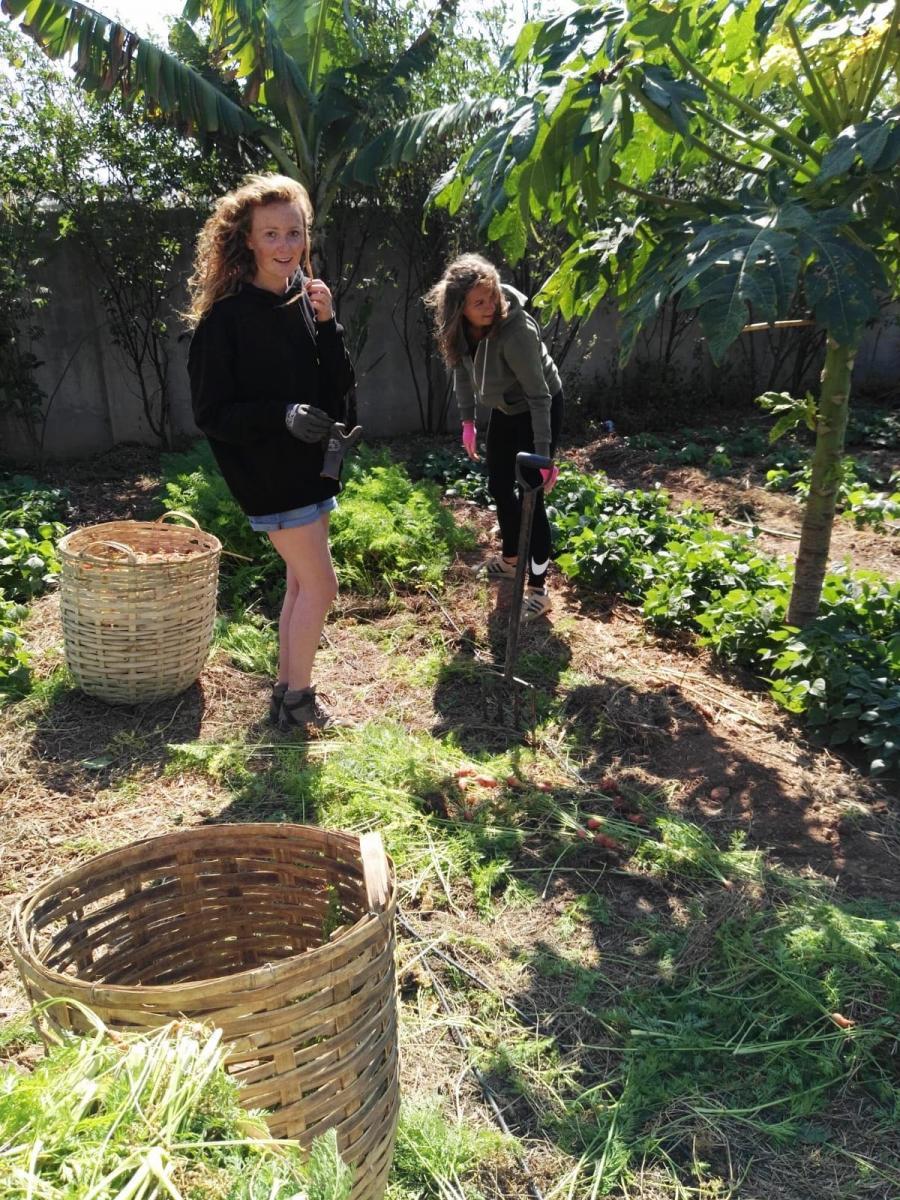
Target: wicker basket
(281,935)
(137,628)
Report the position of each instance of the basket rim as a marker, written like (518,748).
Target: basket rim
(212,544)
(251,979)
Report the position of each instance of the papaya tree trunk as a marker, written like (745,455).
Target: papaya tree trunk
(818,518)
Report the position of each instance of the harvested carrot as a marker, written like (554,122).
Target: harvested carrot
(543,786)
(463,772)
(593,823)
(513,781)
(608,843)
(486,781)
(841,1021)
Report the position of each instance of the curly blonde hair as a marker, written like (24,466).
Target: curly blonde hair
(448,297)
(222,259)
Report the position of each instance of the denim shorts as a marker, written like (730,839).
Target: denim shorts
(297,516)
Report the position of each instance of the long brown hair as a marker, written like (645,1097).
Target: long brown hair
(448,296)
(222,259)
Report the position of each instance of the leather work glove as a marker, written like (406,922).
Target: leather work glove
(339,442)
(306,422)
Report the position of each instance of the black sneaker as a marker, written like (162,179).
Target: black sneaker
(301,710)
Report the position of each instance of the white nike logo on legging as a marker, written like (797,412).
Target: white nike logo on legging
(539,568)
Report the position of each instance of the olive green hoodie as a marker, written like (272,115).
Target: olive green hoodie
(511,371)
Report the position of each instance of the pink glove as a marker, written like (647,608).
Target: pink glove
(468,438)
(549,476)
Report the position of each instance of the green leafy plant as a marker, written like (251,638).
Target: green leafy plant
(29,531)
(389,532)
(842,672)
(460,476)
(15,676)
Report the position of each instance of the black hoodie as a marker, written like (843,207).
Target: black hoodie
(251,356)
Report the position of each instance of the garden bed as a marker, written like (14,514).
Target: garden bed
(676,760)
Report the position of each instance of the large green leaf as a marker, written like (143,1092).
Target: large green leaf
(875,142)
(843,277)
(738,267)
(404,141)
(664,96)
(110,56)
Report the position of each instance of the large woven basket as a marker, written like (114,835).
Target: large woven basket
(138,605)
(281,935)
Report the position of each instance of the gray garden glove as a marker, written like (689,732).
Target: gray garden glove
(308,423)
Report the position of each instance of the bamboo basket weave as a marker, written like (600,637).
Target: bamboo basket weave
(281,935)
(138,628)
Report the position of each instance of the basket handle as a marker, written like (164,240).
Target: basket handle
(104,562)
(375,870)
(175,512)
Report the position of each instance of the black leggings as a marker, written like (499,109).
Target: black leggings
(506,437)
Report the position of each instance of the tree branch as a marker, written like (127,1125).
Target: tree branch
(830,116)
(748,109)
(883,50)
(785,159)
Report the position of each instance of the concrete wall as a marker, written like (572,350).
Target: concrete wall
(97,406)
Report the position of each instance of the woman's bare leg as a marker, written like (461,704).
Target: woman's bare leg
(307,556)
(291,592)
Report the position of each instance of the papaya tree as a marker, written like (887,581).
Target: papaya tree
(796,100)
(304,82)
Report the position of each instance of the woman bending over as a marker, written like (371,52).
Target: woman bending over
(495,351)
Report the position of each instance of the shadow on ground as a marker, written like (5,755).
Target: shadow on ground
(473,697)
(78,734)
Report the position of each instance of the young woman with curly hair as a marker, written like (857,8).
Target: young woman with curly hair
(498,359)
(269,372)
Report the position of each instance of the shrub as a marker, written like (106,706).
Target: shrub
(29,531)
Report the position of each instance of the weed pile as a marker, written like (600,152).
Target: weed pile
(147,1116)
